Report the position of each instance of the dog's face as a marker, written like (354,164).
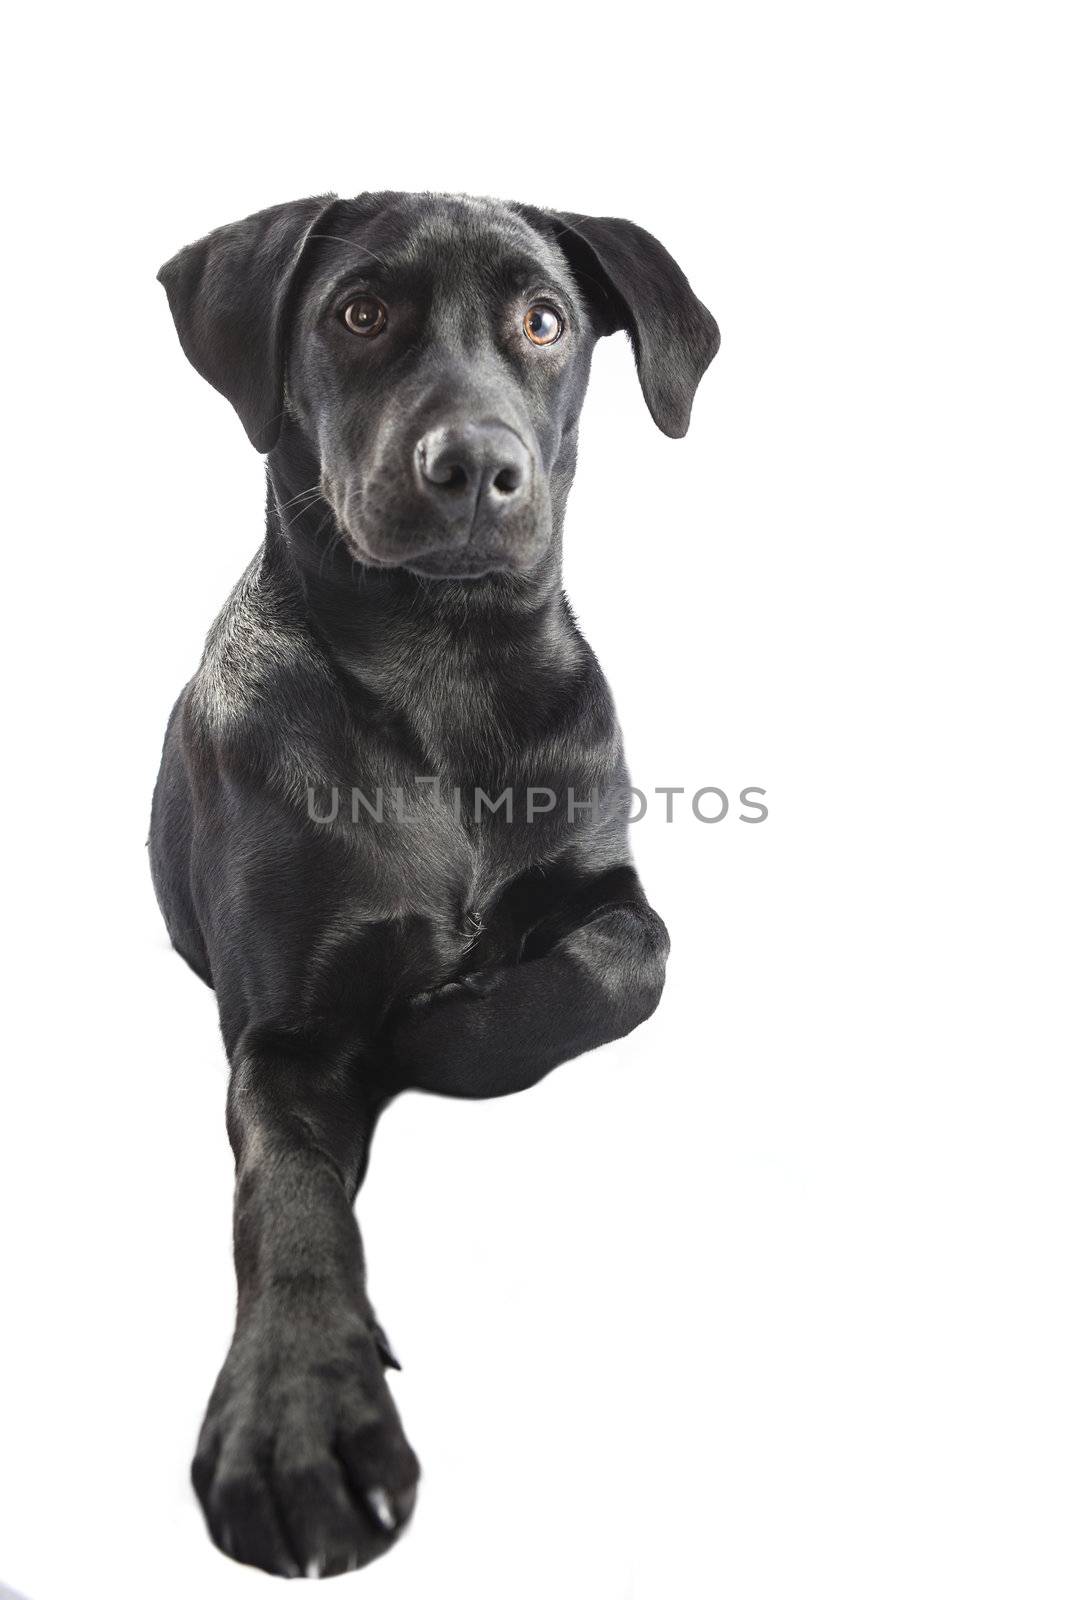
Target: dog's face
(432,354)
(439,361)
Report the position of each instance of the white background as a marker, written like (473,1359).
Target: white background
(767,1300)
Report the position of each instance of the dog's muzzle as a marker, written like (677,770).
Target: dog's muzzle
(471,500)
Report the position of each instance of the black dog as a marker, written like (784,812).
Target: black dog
(386,828)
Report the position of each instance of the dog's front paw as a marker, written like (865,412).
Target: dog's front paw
(302,1467)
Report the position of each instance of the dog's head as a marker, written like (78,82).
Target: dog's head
(432,354)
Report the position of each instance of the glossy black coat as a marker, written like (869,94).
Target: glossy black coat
(393,637)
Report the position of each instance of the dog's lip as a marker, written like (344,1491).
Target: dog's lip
(477,568)
(442,561)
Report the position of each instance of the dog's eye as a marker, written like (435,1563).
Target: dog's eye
(365,316)
(542,324)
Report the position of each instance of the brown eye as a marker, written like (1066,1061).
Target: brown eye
(365,316)
(542,325)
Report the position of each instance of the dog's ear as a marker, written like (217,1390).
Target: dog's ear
(229,296)
(629,280)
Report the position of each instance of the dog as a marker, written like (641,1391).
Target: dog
(413,368)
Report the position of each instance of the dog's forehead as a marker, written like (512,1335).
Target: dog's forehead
(458,237)
(480,229)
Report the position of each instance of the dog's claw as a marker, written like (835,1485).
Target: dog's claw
(382,1506)
(385,1349)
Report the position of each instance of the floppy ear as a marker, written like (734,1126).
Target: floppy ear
(630,281)
(229,296)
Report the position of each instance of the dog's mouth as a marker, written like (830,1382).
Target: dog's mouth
(430,562)
(454,564)
(443,550)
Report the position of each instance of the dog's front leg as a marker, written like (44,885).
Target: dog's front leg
(590,973)
(302,1465)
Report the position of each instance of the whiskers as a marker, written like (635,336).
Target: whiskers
(333,543)
(307,500)
(317,499)
(293,510)
(305,494)
(339,537)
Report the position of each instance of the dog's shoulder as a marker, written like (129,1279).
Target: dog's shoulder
(259,650)
(266,692)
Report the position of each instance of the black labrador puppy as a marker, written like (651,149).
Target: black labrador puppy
(390,828)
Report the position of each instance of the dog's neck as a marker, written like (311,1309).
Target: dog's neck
(389,629)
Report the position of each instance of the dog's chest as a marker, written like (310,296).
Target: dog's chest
(423,850)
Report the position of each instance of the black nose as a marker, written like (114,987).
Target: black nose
(472,465)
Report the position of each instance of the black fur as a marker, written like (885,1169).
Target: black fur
(402,628)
